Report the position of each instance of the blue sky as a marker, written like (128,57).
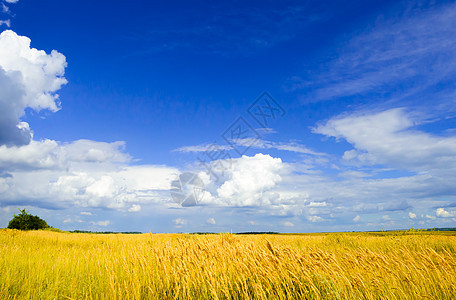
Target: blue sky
(104,105)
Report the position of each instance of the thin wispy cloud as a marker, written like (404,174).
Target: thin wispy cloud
(7,11)
(401,57)
(202,148)
(5,22)
(101,223)
(252,143)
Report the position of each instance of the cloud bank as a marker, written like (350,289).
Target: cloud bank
(389,138)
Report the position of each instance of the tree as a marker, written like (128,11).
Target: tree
(25,221)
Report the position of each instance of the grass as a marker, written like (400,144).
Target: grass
(393,265)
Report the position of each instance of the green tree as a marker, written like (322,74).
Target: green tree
(26,221)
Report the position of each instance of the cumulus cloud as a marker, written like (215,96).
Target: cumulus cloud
(314,219)
(29,78)
(412,215)
(12,1)
(49,154)
(273,187)
(210,221)
(442,213)
(86,174)
(120,188)
(179,223)
(243,181)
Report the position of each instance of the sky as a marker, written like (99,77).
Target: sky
(177,116)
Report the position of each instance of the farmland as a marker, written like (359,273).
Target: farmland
(382,265)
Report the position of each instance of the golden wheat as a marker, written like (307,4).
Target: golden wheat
(52,265)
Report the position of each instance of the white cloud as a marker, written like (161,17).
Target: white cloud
(441,212)
(118,189)
(104,187)
(148,177)
(314,195)
(12,1)
(81,173)
(251,143)
(317,204)
(101,223)
(243,181)
(86,213)
(288,224)
(210,221)
(49,154)
(29,78)
(5,22)
(314,219)
(318,197)
(179,222)
(86,185)
(357,218)
(412,215)
(135,208)
(386,218)
(387,138)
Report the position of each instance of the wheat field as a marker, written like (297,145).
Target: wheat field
(400,265)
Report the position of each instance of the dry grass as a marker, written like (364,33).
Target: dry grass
(48,265)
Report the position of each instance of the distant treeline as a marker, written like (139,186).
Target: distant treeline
(442,229)
(201,233)
(105,232)
(258,232)
(248,232)
(254,232)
